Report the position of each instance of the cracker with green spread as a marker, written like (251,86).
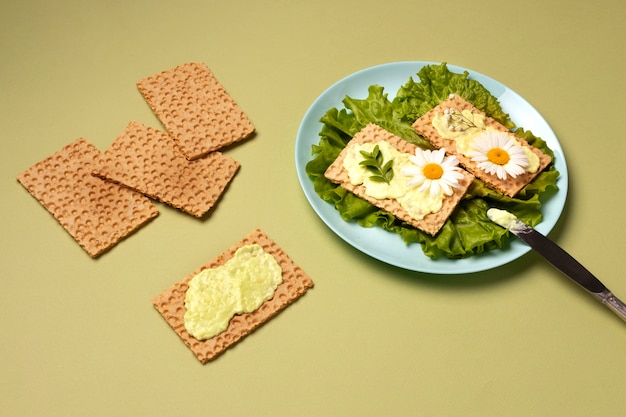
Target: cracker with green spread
(171,302)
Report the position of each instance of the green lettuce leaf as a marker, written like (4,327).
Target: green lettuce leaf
(468,231)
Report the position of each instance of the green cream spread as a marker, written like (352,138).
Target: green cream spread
(417,204)
(465,127)
(239,286)
(504,219)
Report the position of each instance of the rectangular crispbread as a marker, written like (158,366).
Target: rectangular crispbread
(195,109)
(149,161)
(372,133)
(96,213)
(171,302)
(510,186)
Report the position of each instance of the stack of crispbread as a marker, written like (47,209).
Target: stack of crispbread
(101,198)
(171,302)
(509,186)
(372,133)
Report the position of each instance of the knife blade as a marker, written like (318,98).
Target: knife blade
(558,257)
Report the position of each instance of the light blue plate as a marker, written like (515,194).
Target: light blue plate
(386,246)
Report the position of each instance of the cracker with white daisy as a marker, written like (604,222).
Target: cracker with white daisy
(419,187)
(482,145)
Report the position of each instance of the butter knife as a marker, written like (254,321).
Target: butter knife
(558,257)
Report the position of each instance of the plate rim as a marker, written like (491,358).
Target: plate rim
(477,263)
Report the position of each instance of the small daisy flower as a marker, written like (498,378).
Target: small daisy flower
(433,171)
(498,153)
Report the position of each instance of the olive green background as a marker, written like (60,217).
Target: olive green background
(80,336)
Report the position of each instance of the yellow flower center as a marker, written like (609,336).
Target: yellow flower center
(498,156)
(432,171)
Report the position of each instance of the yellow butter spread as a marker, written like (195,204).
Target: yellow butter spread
(238,286)
(417,204)
(462,134)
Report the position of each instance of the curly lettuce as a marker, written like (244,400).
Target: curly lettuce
(468,231)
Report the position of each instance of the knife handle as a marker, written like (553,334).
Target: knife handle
(614,303)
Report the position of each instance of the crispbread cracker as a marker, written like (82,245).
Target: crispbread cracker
(432,222)
(171,302)
(195,109)
(510,186)
(96,213)
(149,161)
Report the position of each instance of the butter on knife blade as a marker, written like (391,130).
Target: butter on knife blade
(559,258)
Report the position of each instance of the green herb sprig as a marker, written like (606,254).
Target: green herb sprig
(374,162)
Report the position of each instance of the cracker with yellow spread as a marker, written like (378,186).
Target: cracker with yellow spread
(430,223)
(427,127)
(171,302)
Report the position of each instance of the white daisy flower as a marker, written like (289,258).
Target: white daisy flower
(499,153)
(433,171)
